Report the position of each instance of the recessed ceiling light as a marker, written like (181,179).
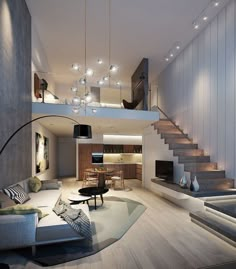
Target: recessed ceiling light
(205,18)
(99,61)
(167,59)
(216,3)
(171,55)
(118,83)
(75,67)
(196,26)
(89,72)
(105,78)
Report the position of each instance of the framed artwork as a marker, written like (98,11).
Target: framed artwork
(41,153)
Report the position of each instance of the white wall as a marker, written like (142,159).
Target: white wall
(198,89)
(40,63)
(154,148)
(66,157)
(51,172)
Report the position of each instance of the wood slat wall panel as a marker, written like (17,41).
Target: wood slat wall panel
(198,89)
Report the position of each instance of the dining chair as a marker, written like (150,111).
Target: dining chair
(108,178)
(118,177)
(90,178)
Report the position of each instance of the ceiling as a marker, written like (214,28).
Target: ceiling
(137,29)
(64,128)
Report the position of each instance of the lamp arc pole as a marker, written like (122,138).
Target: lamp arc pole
(27,123)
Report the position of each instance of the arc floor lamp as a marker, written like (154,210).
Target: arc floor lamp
(81,131)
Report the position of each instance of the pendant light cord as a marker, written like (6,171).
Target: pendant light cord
(109,40)
(85,43)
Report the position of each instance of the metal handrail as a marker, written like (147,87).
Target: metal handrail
(176,126)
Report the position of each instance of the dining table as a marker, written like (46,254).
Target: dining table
(102,176)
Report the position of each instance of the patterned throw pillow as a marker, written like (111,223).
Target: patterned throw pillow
(17,194)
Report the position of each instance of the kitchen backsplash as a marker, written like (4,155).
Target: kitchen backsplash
(122,157)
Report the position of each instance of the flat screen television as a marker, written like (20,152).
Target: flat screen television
(164,170)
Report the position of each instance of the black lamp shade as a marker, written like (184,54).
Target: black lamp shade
(82,131)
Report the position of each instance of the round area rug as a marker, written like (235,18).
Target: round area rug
(109,223)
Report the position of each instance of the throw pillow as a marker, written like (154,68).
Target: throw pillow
(5,201)
(21,210)
(59,208)
(17,194)
(34,184)
(50,184)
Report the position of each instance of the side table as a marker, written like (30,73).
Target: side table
(78,198)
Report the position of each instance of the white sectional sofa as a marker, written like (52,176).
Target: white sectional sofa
(18,231)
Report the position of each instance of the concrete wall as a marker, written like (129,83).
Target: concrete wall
(66,157)
(198,89)
(15,90)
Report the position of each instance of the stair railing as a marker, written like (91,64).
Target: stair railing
(176,126)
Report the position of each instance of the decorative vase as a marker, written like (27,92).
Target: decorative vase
(191,186)
(196,186)
(183,182)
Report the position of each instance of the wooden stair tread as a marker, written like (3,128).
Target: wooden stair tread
(189,159)
(188,152)
(220,225)
(200,166)
(227,207)
(183,146)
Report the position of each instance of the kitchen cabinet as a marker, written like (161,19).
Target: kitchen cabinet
(113,149)
(85,156)
(129,171)
(122,148)
(139,171)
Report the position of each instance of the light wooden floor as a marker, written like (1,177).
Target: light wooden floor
(163,237)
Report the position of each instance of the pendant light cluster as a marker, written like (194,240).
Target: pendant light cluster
(81,84)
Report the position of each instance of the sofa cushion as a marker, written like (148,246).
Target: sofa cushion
(17,194)
(5,201)
(50,184)
(22,210)
(34,184)
(46,198)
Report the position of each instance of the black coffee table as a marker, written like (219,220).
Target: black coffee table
(93,191)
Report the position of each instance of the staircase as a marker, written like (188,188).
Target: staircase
(219,214)
(195,161)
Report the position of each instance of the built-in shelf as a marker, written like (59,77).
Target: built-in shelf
(172,189)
